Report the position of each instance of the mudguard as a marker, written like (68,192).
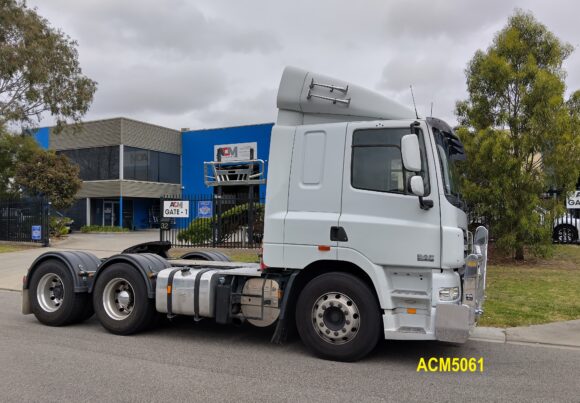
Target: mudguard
(212,256)
(157,247)
(79,264)
(147,264)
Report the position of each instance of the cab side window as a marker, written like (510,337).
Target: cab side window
(377,162)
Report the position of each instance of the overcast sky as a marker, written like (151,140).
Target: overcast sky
(212,63)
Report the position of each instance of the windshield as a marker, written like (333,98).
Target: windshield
(449,151)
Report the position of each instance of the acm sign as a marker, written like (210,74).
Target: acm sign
(176,209)
(235,152)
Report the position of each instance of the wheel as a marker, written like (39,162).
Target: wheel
(52,295)
(121,302)
(565,234)
(338,317)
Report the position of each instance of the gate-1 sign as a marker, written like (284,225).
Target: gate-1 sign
(176,209)
(574,200)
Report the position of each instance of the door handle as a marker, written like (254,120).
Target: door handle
(338,234)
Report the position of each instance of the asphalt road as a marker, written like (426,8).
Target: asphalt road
(208,362)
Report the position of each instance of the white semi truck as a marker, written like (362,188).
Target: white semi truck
(365,237)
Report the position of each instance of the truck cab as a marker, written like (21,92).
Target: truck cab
(357,180)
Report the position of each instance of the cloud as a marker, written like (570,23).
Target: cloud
(259,108)
(167,89)
(212,63)
(434,18)
(176,29)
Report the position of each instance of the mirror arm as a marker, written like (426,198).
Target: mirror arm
(425,204)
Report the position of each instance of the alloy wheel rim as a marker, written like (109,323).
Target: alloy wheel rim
(50,292)
(119,299)
(336,318)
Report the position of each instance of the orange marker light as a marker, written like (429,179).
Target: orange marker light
(323,248)
(411,311)
(168,289)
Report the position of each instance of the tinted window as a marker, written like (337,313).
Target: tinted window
(100,163)
(152,166)
(377,162)
(169,168)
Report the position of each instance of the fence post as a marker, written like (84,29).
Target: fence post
(45,209)
(219,215)
(251,216)
(160,215)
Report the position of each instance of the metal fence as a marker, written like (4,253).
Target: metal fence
(24,220)
(227,221)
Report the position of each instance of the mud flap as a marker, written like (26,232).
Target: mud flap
(26,309)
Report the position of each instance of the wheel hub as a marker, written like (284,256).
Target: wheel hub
(335,318)
(124,299)
(50,292)
(118,299)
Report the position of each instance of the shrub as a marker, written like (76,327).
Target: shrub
(59,226)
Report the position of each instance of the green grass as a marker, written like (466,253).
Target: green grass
(102,228)
(236,255)
(535,292)
(11,248)
(250,256)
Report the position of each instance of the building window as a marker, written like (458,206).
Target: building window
(151,166)
(377,162)
(99,163)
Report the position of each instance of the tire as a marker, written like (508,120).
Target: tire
(121,302)
(52,295)
(565,234)
(88,311)
(324,327)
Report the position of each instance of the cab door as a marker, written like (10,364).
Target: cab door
(379,217)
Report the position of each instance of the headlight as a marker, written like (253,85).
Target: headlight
(448,293)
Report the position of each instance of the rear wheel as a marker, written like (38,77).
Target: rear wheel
(338,317)
(52,295)
(121,302)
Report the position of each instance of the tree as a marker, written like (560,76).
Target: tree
(51,175)
(39,69)
(521,136)
(14,150)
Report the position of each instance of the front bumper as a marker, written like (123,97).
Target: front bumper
(447,321)
(453,323)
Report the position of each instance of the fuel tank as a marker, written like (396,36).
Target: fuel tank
(187,291)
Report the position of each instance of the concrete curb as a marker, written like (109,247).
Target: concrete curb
(556,334)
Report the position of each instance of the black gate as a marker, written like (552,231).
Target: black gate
(214,221)
(24,220)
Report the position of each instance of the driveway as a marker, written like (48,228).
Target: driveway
(14,265)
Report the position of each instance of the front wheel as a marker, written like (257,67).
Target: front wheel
(338,317)
(121,302)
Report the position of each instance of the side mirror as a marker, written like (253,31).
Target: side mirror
(411,152)
(417,186)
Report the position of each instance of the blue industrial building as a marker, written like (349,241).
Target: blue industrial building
(126,166)
(199,146)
